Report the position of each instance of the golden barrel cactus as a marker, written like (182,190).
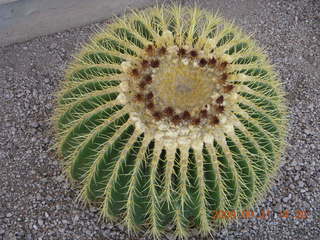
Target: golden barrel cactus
(168,115)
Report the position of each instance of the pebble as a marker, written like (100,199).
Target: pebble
(301,184)
(76,218)
(40,222)
(29,237)
(60,178)
(53,45)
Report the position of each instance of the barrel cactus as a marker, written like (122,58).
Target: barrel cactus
(167,116)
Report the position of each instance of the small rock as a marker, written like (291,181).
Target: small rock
(298,168)
(65,221)
(60,178)
(40,222)
(43,180)
(38,196)
(19,234)
(285,199)
(109,226)
(58,207)
(277,208)
(304,150)
(301,184)
(76,218)
(29,237)
(93,209)
(53,45)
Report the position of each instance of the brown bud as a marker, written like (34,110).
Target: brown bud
(195,121)
(182,52)
(219,109)
(204,113)
(157,115)
(168,111)
(224,77)
(212,62)
(150,50)
(193,53)
(138,97)
(149,96)
(220,100)
(148,78)
(162,51)
(155,63)
(142,85)
(144,64)
(150,105)
(176,119)
(214,120)
(223,65)
(228,88)
(186,115)
(202,62)
(135,72)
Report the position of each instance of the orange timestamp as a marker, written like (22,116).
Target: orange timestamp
(262,214)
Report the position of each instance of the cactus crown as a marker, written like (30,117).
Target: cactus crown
(167,115)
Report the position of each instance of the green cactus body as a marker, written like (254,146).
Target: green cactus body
(169,115)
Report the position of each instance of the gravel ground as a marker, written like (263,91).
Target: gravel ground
(37,203)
